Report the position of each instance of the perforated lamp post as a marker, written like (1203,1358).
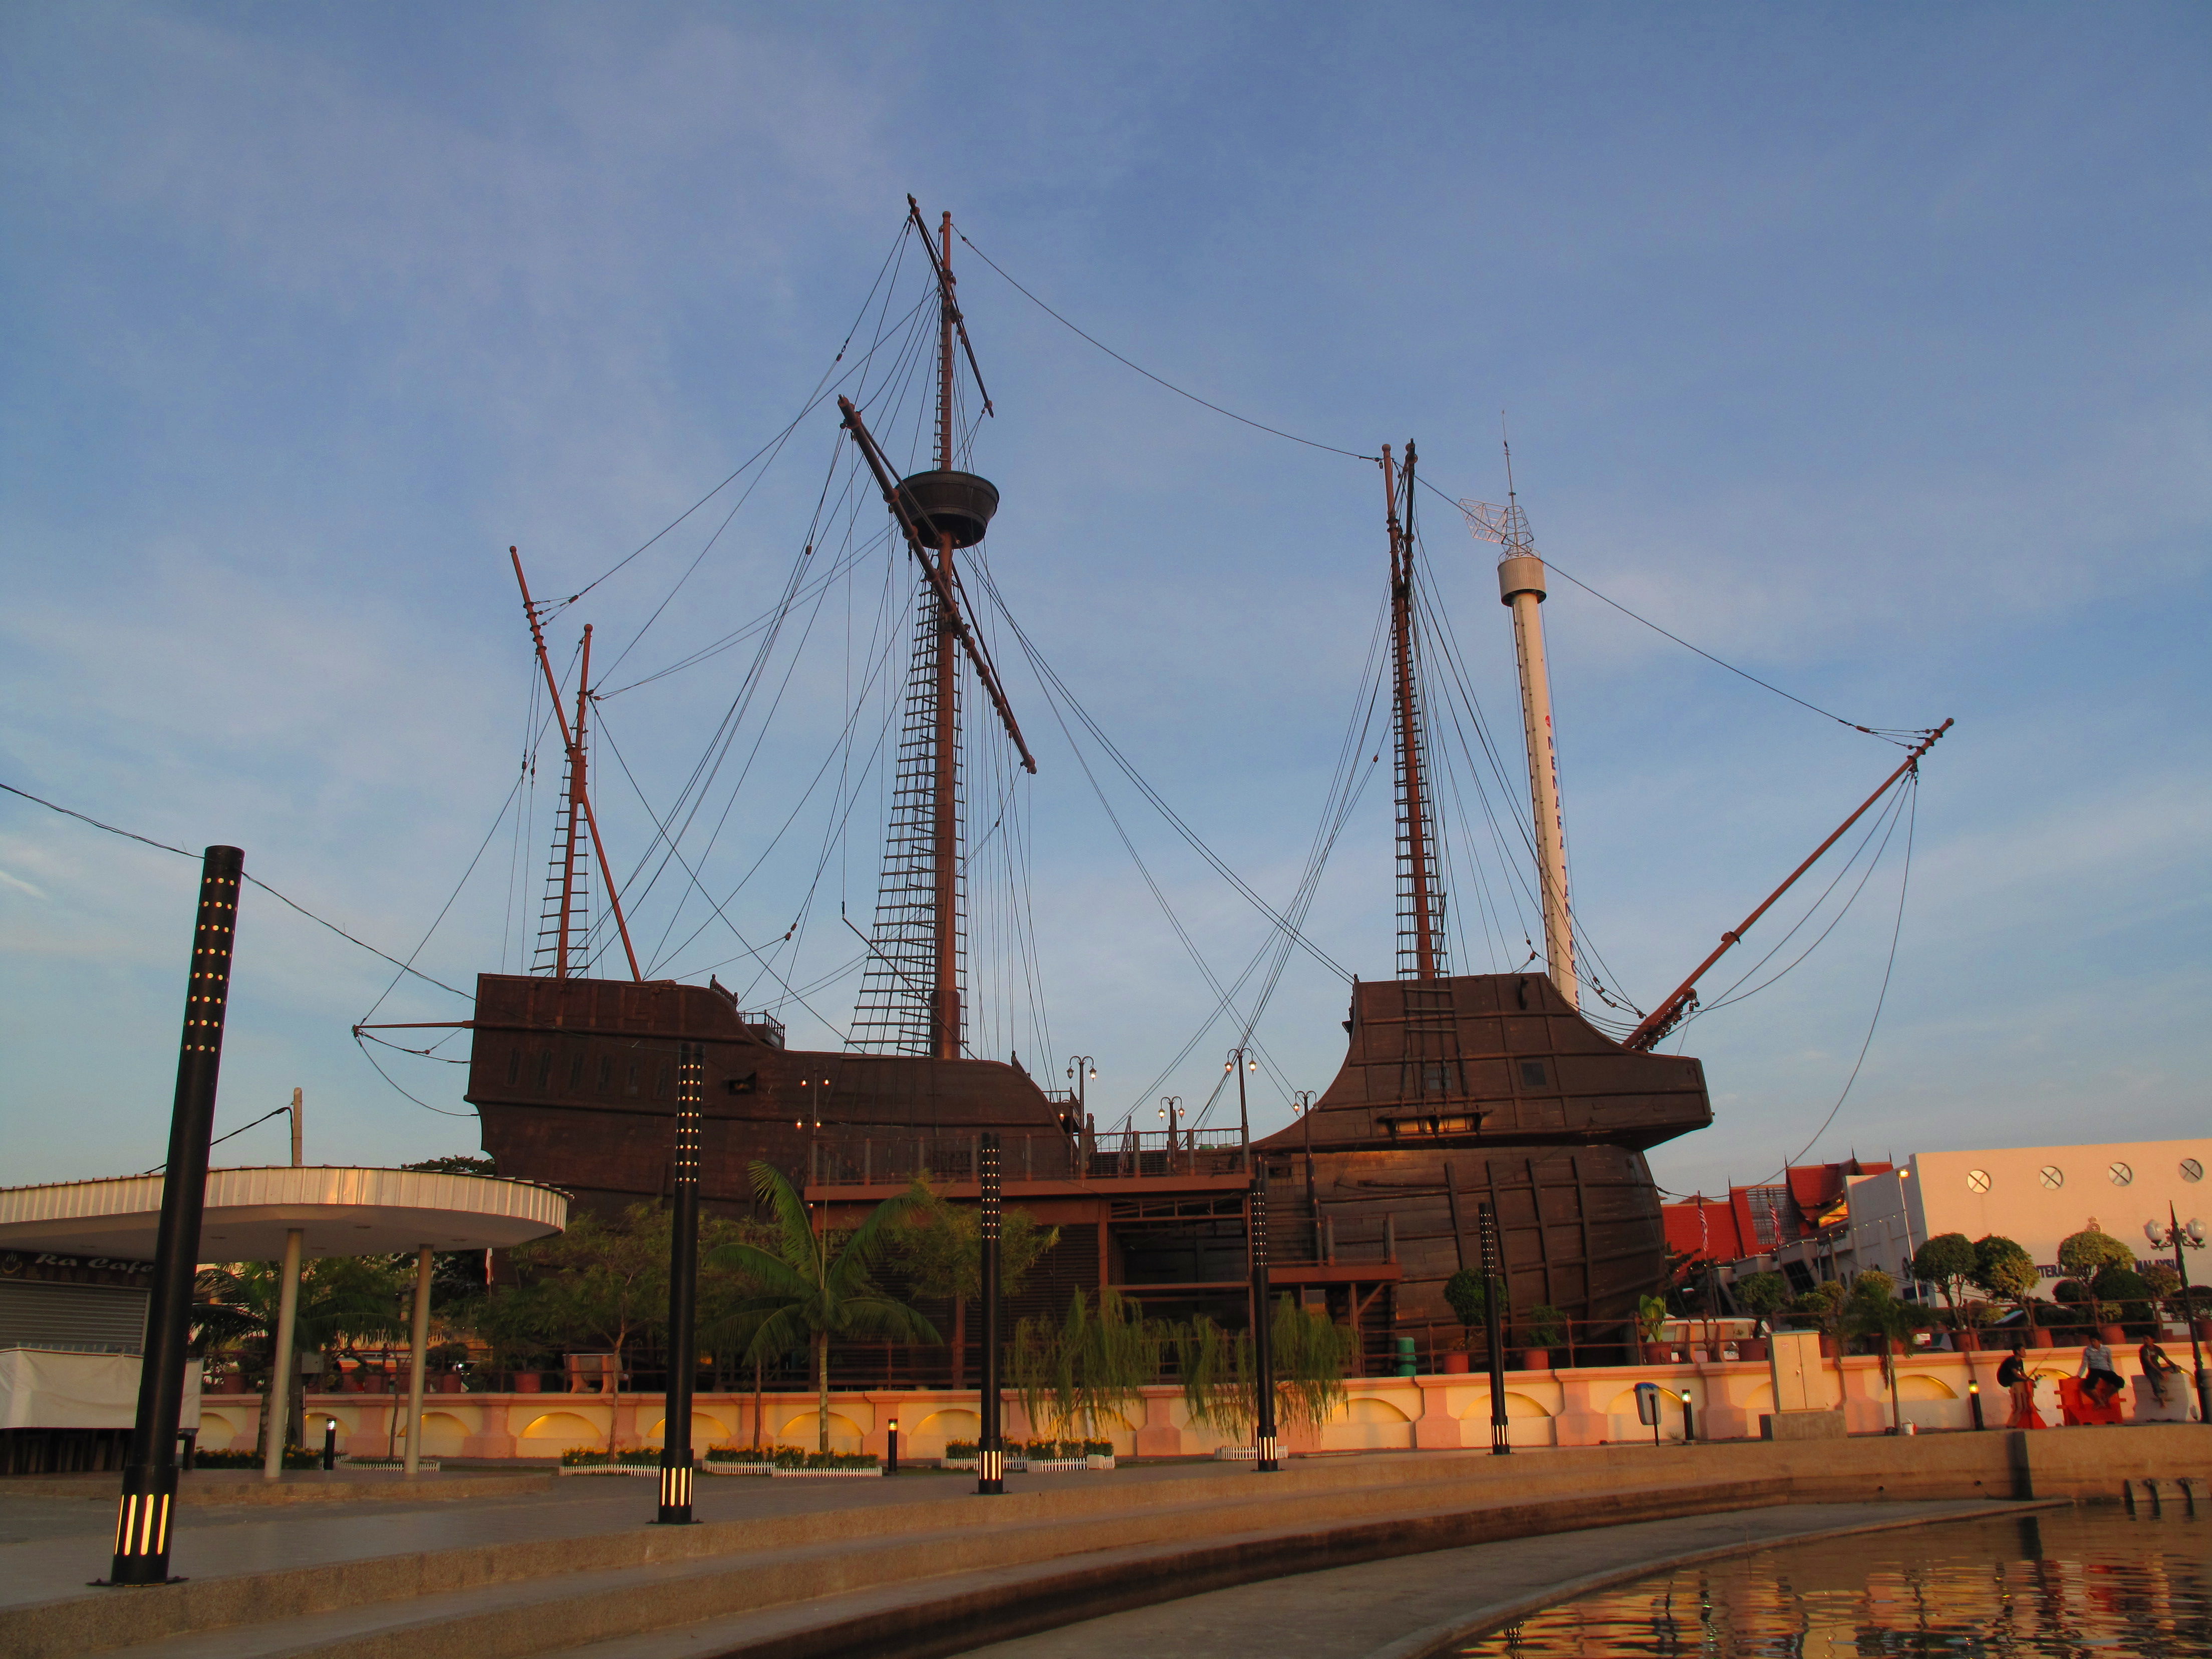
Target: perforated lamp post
(676,1471)
(990,1450)
(2192,1237)
(149,1479)
(1263,1336)
(1493,1296)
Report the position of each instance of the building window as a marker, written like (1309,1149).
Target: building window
(2121,1174)
(2053,1176)
(1436,1079)
(2192,1169)
(1532,1074)
(1977,1180)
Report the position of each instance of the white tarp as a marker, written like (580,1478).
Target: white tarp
(47,1389)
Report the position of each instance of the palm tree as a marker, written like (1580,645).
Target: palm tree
(1874,1311)
(805,1293)
(342,1300)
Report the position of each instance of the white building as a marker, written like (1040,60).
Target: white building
(2034,1195)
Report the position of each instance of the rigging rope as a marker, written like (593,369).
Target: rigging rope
(130,835)
(1242,420)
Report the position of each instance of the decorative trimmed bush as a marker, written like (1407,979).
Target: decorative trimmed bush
(589,1457)
(295,1457)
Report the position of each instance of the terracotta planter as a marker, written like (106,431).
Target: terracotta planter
(1827,1345)
(1897,1345)
(528,1382)
(1455,1364)
(1658,1353)
(1535,1359)
(231,1383)
(451,1384)
(372,1382)
(1751,1348)
(2112,1334)
(1967,1341)
(2204,1330)
(2039,1337)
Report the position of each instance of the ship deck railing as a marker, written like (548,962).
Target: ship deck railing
(954,1160)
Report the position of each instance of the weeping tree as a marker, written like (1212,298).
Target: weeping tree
(811,1287)
(1088,1368)
(1220,1390)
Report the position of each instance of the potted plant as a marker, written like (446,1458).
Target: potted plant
(1468,1293)
(1651,1325)
(2008,1273)
(2084,1255)
(1759,1295)
(1545,1323)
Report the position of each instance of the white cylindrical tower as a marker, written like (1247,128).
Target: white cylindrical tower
(1521,586)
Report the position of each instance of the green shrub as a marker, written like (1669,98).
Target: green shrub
(295,1457)
(1469,1292)
(1761,1294)
(1546,1326)
(594,1457)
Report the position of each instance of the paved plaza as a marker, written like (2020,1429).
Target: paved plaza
(1353,1555)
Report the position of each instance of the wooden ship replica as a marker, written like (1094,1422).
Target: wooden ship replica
(573,1076)
(1457,1091)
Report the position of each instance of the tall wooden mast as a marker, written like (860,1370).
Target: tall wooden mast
(579,797)
(910,994)
(1420,897)
(944,784)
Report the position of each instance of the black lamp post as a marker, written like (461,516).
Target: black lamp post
(1263,1332)
(990,1450)
(2192,1236)
(1493,1296)
(676,1471)
(149,1479)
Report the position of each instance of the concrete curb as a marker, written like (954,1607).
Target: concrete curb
(196,1494)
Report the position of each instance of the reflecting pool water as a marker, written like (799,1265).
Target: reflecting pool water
(2080,1582)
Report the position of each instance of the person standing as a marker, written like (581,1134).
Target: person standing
(2013,1377)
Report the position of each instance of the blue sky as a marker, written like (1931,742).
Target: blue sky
(1865,346)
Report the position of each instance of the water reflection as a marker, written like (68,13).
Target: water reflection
(2060,1581)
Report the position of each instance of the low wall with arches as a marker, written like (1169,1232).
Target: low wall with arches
(1584,1407)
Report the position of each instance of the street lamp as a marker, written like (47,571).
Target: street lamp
(1171,1115)
(2176,1237)
(1081,1068)
(1244,1111)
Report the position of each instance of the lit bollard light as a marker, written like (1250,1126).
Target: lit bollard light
(1974,1399)
(890,1457)
(329,1443)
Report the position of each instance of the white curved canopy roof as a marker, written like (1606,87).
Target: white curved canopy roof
(342,1211)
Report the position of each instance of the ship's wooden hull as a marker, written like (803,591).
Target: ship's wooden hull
(1485,1089)
(575,1080)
